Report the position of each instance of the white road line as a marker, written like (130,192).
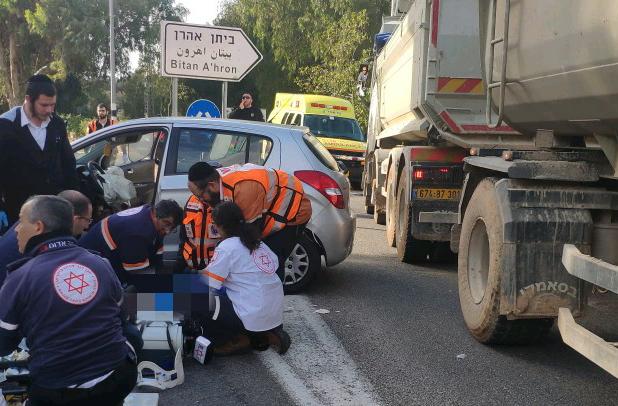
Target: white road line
(316,370)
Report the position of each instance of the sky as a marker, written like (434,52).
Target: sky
(201,11)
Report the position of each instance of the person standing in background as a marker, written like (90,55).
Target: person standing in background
(103,120)
(246,110)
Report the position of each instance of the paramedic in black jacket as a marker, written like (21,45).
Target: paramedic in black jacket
(35,154)
(66,302)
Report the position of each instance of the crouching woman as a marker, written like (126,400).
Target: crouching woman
(251,312)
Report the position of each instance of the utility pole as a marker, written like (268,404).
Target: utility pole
(112,61)
(224,100)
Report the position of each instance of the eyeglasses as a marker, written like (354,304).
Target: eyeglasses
(88,219)
(246,97)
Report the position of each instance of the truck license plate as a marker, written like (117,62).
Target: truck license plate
(437,194)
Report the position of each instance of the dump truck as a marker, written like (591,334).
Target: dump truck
(493,126)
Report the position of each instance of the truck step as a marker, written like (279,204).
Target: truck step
(591,346)
(590,269)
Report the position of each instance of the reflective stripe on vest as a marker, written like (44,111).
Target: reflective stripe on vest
(199,246)
(284,194)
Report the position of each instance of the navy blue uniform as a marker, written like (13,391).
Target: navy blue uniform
(128,239)
(66,302)
(9,252)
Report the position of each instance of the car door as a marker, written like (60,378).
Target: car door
(137,150)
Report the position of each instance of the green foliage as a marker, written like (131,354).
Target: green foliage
(76,125)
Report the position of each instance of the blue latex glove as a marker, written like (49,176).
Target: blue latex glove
(4,221)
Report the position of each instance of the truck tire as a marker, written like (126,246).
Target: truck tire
(302,265)
(379,217)
(367,196)
(409,249)
(391,218)
(479,272)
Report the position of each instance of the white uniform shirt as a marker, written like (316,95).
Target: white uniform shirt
(38,133)
(250,281)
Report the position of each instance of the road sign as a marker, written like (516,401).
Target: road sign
(206,52)
(203,108)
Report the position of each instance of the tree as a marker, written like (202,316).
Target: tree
(71,36)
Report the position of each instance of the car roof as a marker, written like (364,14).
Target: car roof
(218,121)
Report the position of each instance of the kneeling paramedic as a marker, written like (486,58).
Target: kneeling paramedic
(132,240)
(251,312)
(271,199)
(66,301)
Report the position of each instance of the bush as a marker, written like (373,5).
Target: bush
(76,125)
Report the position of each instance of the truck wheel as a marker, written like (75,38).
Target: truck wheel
(379,217)
(302,265)
(409,249)
(367,195)
(391,218)
(479,272)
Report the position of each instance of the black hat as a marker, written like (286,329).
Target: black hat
(200,171)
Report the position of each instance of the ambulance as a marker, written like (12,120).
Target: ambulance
(331,120)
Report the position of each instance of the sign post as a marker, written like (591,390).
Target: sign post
(205,52)
(224,99)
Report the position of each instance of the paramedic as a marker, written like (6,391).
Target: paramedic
(66,302)
(272,200)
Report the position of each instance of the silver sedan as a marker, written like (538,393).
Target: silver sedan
(156,153)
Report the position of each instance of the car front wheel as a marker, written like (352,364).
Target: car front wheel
(301,266)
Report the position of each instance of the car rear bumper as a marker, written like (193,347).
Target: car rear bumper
(335,230)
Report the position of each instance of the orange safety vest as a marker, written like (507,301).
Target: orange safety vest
(284,193)
(92,126)
(201,236)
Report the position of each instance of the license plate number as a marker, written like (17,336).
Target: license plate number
(437,194)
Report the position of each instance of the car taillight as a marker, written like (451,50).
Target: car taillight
(323,184)
(419,174)
(444,170)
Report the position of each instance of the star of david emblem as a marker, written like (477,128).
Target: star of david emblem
(265,260)
(79,281)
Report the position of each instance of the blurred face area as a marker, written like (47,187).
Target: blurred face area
(82,222)
(25,229)
(209,195)
(42,108)
(164,225)
(102,113)
(247,100)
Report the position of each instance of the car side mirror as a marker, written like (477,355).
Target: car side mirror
(343,168)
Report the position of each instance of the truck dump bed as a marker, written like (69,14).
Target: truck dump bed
(561,65)
(431,71)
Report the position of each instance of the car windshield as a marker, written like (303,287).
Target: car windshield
(336,127)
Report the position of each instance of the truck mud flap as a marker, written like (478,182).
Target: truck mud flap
(534,283)
(591,346)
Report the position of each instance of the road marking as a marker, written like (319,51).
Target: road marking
(316,370)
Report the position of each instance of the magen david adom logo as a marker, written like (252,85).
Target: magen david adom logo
(75,283)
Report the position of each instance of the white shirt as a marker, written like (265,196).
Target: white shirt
(38,133)
(250,281)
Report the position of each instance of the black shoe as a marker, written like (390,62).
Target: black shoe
(259,342)
(279,339)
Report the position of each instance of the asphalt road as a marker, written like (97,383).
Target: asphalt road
(373,330)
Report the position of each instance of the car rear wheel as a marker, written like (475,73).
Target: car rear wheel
(302,266)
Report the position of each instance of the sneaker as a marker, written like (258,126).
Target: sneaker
(279,340)
(237,345)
